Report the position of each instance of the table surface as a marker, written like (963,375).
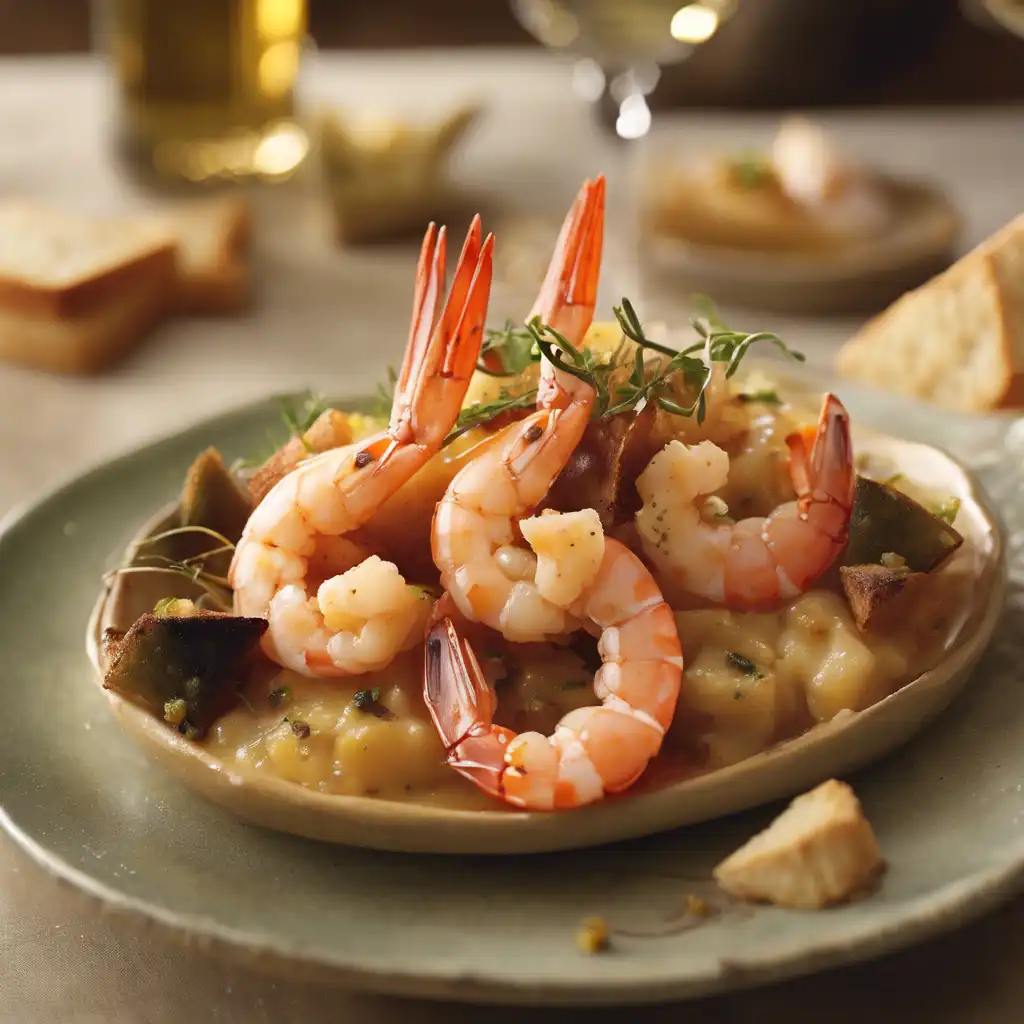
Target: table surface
(328,318)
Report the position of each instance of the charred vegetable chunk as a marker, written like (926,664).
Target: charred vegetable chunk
(886,521)
(182,670)
(601,473)
(871,590)
(211,498)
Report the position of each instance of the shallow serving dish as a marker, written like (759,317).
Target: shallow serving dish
(93,809)
(848,742)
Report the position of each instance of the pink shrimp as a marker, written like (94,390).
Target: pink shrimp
(359,620)
(474,533)
(594,750)
(754,563)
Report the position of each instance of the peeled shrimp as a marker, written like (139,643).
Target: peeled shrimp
(487,575)
(754,563)
(593,750)
(359,620)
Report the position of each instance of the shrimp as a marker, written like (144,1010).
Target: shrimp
(487,575)
(359,620)
(755,563)
(594,750)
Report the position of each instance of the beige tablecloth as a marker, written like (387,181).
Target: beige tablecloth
(331,319)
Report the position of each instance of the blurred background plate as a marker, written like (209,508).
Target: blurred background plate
(861,277)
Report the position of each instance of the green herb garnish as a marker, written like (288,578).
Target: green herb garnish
(384,395)
(574,684)
(369,702)
(508,351)
(484,412)
(299,420)
(742,664)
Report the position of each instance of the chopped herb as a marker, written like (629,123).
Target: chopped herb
(368,701)
(893,480)
(948,511)
(279,697)
(766,397)
(300,729)
(738,695)
(175,711)
(592,935)
(742,664)
(574,684)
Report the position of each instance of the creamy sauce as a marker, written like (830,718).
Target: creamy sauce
(751,679)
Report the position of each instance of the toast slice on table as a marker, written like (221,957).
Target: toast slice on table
(213,241)
(958,340)
(77,292)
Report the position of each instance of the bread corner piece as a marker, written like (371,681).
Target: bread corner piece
(213,239)
(77,292)
(821,850)
(958,340)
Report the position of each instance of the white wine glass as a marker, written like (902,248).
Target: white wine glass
(621,45)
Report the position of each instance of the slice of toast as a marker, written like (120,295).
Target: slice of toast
(958,340)
(77,292)
(213,239)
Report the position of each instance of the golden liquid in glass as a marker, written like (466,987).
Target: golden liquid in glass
(206,88)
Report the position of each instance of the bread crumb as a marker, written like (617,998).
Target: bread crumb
(821,850)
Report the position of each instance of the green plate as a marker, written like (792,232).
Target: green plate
(88,805)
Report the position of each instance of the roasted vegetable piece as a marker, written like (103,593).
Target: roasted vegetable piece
(872,589)
(602,472)
(885,521)
(331,429)
(210,498)
(196,660)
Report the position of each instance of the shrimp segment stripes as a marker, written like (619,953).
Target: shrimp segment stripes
(593,750)
(354,624)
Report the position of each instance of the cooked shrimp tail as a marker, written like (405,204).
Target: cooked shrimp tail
(359,617)
(569,293)
(754,563)
(594,750)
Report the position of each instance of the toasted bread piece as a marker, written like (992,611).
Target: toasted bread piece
(213,240)
(820,850)
(958,340)
(76,292)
